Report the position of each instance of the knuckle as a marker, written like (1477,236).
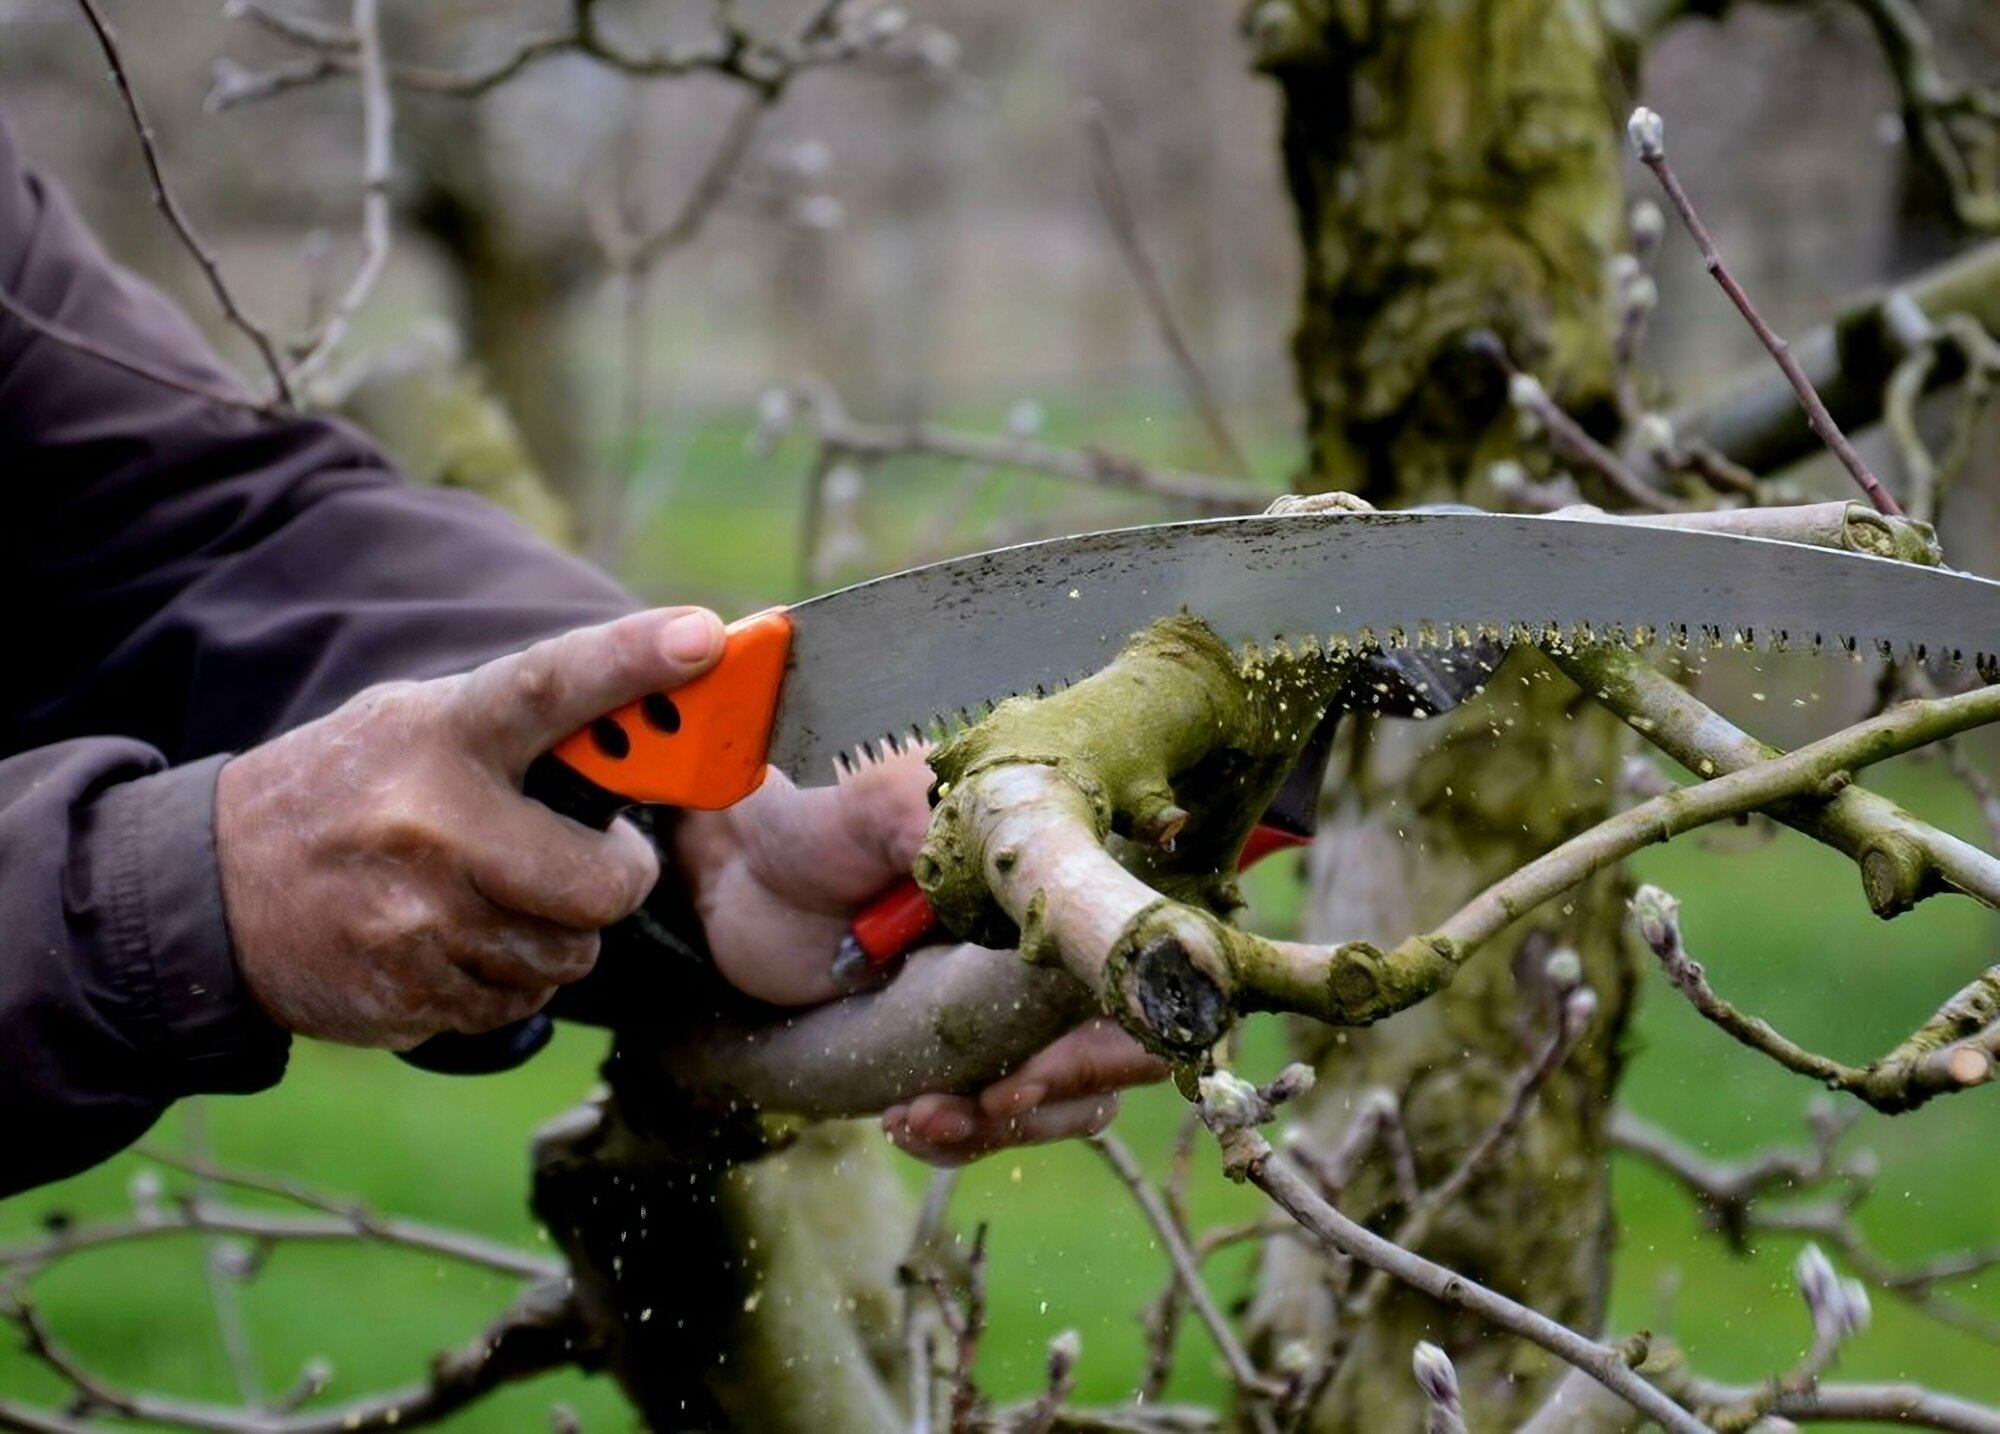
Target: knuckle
(406,826)
(632,651)
(535,682)
(403,919)
(572,956)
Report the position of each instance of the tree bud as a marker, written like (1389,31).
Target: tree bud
(1648,133)
(1229,1102)
(1564,968)
(1657,913)
(1655,434)
(1435,1374)
(1647,225)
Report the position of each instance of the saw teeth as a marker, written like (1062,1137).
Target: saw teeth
(1454,640)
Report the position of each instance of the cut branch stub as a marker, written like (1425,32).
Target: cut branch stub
(1100,826)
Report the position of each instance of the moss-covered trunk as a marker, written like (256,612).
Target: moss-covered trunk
(1455,167)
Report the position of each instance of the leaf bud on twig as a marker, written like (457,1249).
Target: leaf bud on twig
(1439,1382)
(1820,1288)
(1564,968)
(1648,133)
(1229,1102)
(1647,226)
(1064,1351)
(1293,1081)
(1579,1009)
(1657,913)
(1435,1373)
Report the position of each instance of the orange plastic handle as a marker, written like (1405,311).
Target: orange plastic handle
(702,745)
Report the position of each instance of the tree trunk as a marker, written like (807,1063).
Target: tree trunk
(1454,168)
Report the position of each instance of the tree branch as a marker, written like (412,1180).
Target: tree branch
(1253,1157)
(1251,1383)
(1647,133)
(1951,1052)
(813,404)
(170,206)
(378,118)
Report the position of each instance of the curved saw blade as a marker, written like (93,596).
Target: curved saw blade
(919,651)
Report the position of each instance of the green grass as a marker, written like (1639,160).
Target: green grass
(1780,923)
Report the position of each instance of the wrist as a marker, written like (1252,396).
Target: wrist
(192,1011)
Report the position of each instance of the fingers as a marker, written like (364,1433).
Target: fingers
(886,810)
(517,707)
(535,863)
(1097,1056)
(950,1130)
(1067,1089)
(517,955)
(828,847)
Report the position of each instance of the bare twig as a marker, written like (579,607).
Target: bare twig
(1648,139)
(1907,1406)
(967,1323)
(1527,394)
(1753,788)
(1952,1051)
(640,252)
(378,119)
(1578,1006)
(1958,340)
(1753,419)
(1759,1195)
(22,1261)
(288,25)
(1976,782)
(170,206)
(918,1331)
(732,53)
(1377,1120)
(1256,1388)
(1253,1158)
(1116,205)
(222,1293)
(543,1331)
(1064,1350)
(1902,859)
(813,404)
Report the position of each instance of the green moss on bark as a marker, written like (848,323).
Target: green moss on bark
(1179,732)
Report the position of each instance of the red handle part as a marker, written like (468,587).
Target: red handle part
(898,919)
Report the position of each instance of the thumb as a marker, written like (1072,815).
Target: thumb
(517,707)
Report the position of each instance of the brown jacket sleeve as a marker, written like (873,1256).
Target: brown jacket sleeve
(180,580)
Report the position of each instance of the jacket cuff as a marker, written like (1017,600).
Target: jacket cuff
(191,1011)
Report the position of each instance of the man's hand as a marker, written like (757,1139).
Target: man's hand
(1067,1089)
(776,879)
(384,877)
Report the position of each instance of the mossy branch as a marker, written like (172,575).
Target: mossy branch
(1096,828)
(1902,859)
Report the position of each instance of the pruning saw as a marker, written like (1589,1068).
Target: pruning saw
(818,688)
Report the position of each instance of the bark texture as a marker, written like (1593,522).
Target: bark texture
(1454,168)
